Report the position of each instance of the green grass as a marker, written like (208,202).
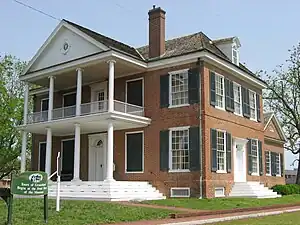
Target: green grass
(30,211)
(282,219)
(224,203)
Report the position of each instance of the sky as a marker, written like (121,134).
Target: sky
(267,29)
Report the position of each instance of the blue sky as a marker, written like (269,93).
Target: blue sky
(266,29)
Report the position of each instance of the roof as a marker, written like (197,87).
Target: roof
(223,40)
(109,42)
(267,117)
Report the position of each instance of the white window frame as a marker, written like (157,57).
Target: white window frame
(225,151)
(180,188)
(235,49)
(171,170)
(143,151)
(255,109)
(279,165)
(223,97)
(270,165)
(170,88)
(126,89)
(44,99)
(241,103)
(257,158)
(223,190)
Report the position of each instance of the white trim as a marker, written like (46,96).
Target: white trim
(170,87)
(143,91)
(241,103)
(39,155)
(170,170)
(40,91)
(279,159)
(277,125)
(143,151)
(257,157)
(270,163)
(225,150)
(53,34)
(223,97)
(180,188)
(255,106)
(43,99)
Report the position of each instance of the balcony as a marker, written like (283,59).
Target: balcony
(98,107)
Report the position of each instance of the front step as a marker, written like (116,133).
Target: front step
(252,190)
(106,191)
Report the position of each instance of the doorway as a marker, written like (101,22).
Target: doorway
(239,146)
(67,159)
(97,156)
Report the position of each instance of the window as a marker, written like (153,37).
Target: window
(42,156)
(254,154)
(220,97)
(179,88)
(235,57)
(179,147)
(277,162)
(134,152)
(180,192)
(219,192)
(237,98)
(252,101)
(221,151)
(268,162)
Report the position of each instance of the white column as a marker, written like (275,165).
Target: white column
(51,94)
(23,152)
(48,151)
(111,78)
(77,153)
(78,92)
(24,133)
(110,153)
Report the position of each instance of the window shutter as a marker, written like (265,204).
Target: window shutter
(273,164)
(258,107)
(228,152)
(194,83)
(164,150)
(245,101)
(164,91)
(249,157)
(194,147)
(213,144)
(229,95)
(281,164)
(212,79)
(261,171)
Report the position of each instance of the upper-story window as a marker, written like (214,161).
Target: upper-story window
(179,88)
(220,97)
(235,55)
(252,103)
(237,98)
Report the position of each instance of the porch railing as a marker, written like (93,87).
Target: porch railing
(86,109)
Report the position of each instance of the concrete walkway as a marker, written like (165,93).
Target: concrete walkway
(214,218)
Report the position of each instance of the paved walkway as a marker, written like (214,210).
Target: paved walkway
(213,218)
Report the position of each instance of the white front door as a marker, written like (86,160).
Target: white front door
(97,157)
(239,146)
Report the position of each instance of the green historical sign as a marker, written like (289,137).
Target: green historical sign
(30,183)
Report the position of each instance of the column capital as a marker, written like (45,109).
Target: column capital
(77,124)
(51,77)
(79,69)
(111,61)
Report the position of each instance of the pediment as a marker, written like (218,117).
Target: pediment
(66,43)
(273,129)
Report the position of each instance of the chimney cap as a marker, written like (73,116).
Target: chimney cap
(156,9)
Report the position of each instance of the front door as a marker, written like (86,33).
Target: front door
(67,160)
(97,157)
(239,160)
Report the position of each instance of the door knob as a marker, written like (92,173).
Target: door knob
(101,165)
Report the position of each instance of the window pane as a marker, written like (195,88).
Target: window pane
(179,88)
(220,150)
(254,153)
(268,164)
(237,98)
(252,105)
(219,91)
(180,149)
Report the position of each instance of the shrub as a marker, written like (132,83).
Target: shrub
(287,189)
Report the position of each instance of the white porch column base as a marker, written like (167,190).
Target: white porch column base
(23,152)
(48,151)
(77,154)
(110,153)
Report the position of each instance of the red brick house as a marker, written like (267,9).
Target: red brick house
(180,117)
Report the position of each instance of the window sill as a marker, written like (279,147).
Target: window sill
(129,172)
(278,175)
(255,120)
(177,106)
(254,174)
(221,108)
(221,171)
(179,171)
(268,175)
(241,115)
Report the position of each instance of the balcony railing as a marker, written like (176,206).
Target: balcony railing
(86,109)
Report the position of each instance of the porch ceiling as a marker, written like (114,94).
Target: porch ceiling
(91,73)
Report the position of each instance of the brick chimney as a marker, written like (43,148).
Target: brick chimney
(156,32)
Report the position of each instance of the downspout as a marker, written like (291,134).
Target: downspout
(200,66)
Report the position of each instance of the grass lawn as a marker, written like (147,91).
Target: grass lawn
(30,211)
(224,203)
(282,219)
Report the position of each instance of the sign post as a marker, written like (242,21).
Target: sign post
(32,183)
(58,163)
(8,198)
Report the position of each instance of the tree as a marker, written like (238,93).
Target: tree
(283,97)
(11,114)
